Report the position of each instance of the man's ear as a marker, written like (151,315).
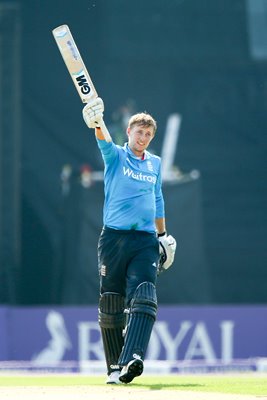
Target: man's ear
(128,131)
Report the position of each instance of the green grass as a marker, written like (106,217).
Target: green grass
(253,384)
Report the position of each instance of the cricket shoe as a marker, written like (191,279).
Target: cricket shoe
(113,378)
(131,370)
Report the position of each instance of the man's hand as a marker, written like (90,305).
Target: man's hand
(167,251)
(93,113)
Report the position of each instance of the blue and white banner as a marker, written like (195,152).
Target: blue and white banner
(42,337)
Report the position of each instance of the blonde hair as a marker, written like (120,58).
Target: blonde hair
(143,119)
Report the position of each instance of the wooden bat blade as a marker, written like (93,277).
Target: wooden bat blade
(74,63)
(77,69)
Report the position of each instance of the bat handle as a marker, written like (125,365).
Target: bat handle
(105,131)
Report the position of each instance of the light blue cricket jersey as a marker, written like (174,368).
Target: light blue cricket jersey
(133,195)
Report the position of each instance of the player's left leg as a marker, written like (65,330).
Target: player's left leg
(142,316)
(142,300)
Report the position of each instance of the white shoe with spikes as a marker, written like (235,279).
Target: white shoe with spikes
(113,378)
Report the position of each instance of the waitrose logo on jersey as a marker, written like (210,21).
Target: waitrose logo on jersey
(139,177)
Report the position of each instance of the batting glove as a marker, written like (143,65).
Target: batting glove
(167,251)
(93,112)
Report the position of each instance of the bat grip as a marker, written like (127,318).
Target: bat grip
(105,131)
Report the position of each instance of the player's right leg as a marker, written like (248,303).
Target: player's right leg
(112,302)
(112,321)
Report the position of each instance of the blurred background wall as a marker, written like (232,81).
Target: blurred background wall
(206,61)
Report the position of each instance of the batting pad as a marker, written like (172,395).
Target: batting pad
(111,319)
(142,316)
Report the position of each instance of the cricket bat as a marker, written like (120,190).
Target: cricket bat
(77,69)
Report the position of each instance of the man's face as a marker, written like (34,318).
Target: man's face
(139,138)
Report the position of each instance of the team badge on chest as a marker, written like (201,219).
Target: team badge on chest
(149,166)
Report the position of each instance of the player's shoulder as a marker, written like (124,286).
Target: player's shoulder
(153,157)
(120,148)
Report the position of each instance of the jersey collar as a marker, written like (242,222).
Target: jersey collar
(129,151)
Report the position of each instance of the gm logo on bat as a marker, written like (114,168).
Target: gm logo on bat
(82,82)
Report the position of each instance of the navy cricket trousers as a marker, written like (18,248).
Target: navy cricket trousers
(126,258)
